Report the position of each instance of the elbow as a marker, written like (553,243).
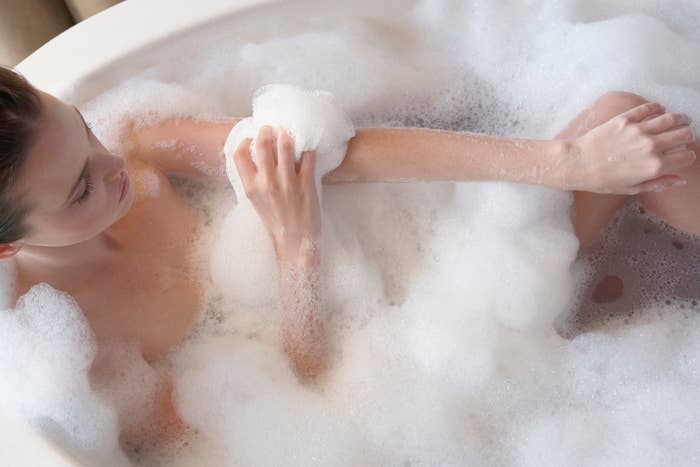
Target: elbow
(308,358)
(308,366)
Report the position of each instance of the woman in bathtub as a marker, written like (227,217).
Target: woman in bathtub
(73,215)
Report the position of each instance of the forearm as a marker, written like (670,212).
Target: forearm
(411,154)
(302,324)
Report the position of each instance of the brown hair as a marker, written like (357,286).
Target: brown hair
(20,109)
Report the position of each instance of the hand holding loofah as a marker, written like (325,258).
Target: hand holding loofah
(243,263)
(313,119)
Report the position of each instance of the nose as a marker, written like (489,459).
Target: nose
(116,169)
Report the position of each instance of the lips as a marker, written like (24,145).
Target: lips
(125,188)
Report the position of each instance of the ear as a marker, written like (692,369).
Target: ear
(8,250)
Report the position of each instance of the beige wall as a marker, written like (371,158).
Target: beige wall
(81,9)
(26,25)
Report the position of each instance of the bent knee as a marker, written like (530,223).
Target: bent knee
(615,102)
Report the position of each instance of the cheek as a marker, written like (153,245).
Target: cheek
(100,206)
(90,215)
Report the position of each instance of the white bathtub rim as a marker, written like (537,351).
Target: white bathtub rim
(103,39)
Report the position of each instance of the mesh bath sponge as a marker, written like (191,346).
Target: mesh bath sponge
(313,118)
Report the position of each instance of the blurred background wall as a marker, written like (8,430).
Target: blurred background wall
(26,25)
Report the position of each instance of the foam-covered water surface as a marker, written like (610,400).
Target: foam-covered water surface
(640,261)
(447,302)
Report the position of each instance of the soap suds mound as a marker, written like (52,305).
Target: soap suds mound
(445,349)
(46,349)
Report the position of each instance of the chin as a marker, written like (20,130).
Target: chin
(124,207)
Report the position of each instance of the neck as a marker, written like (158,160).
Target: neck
(102,246)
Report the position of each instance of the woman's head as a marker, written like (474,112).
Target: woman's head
(58,185)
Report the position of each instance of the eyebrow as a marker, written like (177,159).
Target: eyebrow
(82,172)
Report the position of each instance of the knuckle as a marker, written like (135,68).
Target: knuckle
(674,119)
(288,146)
(665,120)
(686,134)
(686,159)
(285,136)
(635,131)
(264,144)
(249,190)
(240,162)
(240,152)
(264,138)
(288,188)
(272,187)
(655,166)
(648,144)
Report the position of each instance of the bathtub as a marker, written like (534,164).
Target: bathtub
(109,47)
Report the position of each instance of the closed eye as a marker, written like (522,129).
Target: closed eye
(88,189)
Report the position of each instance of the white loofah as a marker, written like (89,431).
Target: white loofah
(313,119)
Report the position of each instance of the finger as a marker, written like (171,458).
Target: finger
(265,151)
(244,162)
(307,168)
(652,116)
(673,138)
(285,155)
(639,113)
(678,160)
(664,122)
(658,184)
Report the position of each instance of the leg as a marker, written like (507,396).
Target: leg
(591,211)
(608,294)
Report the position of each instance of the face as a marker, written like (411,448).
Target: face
(71,182)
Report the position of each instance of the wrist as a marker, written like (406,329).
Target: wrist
(565,156)
(304,252)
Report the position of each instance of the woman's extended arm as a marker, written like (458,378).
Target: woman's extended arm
(638,150)
(417,154)
(632,152)
(183,146)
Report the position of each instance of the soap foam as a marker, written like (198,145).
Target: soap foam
(46,349)
(444,347)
